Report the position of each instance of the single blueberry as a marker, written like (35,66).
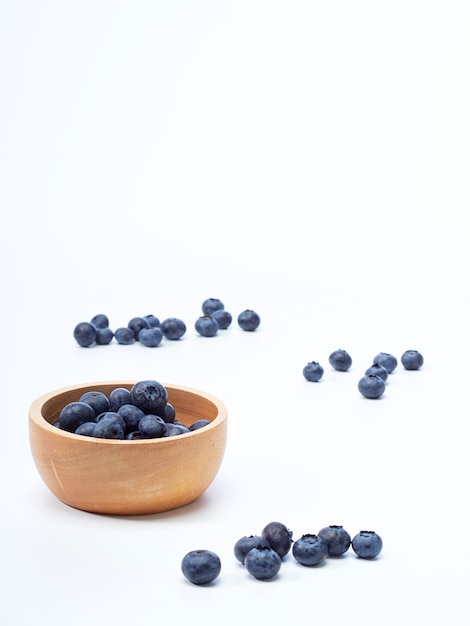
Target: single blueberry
(97,400)
(150,337)
(118,397)
(111,415)
(124,336)
(371,386)
(172,430)
(173,328)
(86,429)
(310,550)
(386,360)
(104,336)
(412,359)
(153,321)
(206,326)
(133,435)
(245,544)
(152,426)
(223,318)
(100,321)
(85,334)
(279,537)
(262,563)
(75,413)
(201,567)
(377,370)
(340,360)
(249,320)
(199,424)
(149,395)
(212,304)
(168,413)
(337,539)
(131,415)
(137,323)
(367,544)
(108,428)
(313,371)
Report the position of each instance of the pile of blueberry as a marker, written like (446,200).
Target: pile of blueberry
(372,384)
(150,331)
(143,412)
(262,554)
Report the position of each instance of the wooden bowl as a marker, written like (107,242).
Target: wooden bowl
(123,477)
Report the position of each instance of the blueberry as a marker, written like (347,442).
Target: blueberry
(104,336)
(212,304)
(97,400)
(262,563)
(279,537)
(118,397)
(168,413)
(149,395)
(150,337)
(133,435)
(131,415)
(172,430)
(310,550)
(153,321)
(223,318)
(152,426)
(201,566)
(124,336)
(199,424)
(245,544)
(206,326)
(109,428)
(386,360)
(412,360)
(249,320)
(313,371)
(377,370)
(111,415)
(367,544)
(100,321)
(86,429)
(371,386)
(173,328)
(337,539)
(75,413)
(137,323)
(85,334)
(340,360)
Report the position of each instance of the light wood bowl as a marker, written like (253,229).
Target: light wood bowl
(128,477)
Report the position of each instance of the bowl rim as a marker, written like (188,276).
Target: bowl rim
(36,417)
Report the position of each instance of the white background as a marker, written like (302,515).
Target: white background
(308,160)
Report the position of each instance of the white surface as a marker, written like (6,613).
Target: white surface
(308,160)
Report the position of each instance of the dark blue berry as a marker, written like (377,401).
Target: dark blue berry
(137,323)
(168,413)
(104,336)
(310,550)
(223,318)
(172,430)
(199,424)
(340,360)
(377,370)
(149,395)
(412,360)
(85,334)
(150,337)
(367,544)
(313,371)
(100,321)
(86,429)
(131,415)
(371,386)
(152,426)
(245,544)
(173,328)
(201,567)
(212,304)
(74,414)
(108,428)
(206,326)
(97,400)
(263,563)
(153,321)
(124,336)
(279,537)
(119,396)
(249,320)
(337,539)
(386,360)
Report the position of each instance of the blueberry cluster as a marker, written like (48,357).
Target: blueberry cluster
(263,554)
(150,332)
(372,384)
(143,412)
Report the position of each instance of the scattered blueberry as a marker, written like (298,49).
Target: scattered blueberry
(310,550)
(150,337)
(313,371)
(153,320)
(340,360)
(173,328)
(263,563)
(412,360)
(85,334)
(367,544)
(337,539)
(137,323)
(377,370)
(245,544)
(223,318)
(206,326)
(201,566)
(104,336)
(371,386)
(249,320)
(125,336)
(74,414)
(100,321)
(279,537)
(212,304)
(386,360)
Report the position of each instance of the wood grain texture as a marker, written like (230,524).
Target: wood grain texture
(128,477)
